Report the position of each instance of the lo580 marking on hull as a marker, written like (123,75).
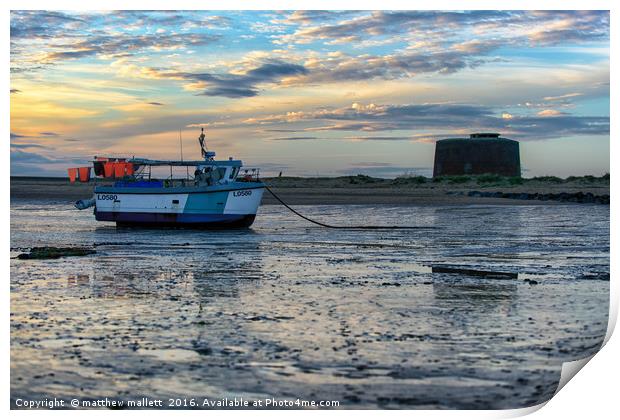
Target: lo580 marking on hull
(241,193)
(107,197)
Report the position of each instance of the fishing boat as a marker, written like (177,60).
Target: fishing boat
(212,194)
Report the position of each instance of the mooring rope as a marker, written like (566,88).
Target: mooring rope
(341,227)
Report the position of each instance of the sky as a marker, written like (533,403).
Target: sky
(308,93)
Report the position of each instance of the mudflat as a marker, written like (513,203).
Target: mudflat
(478,308)
(359,189)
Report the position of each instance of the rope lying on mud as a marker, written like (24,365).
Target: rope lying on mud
(341,227)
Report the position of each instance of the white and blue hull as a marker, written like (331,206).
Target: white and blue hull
(223,206)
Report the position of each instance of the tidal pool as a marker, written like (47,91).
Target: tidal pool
(288,310)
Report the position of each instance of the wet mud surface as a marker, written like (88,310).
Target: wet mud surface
(284,310)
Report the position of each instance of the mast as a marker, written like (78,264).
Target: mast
(181,142)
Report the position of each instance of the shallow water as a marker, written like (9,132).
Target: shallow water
(288,310)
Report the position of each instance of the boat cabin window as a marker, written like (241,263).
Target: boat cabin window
(233,173)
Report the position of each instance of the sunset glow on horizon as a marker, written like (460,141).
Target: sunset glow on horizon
(309,92)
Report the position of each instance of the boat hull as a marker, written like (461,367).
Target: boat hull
(153,220)
(222,207)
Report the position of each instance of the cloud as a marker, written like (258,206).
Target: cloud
(32,163)
(50,24)
(540,27)
(26,146)
(307,17)
(562,97)
(21,142)
(391,66)
(155,103)
(431,138)
(15,91)
(432,42)
(296,138)
(280,130)
(377,138)
(549,113)
(390,116)
(40,39)
(460,118)
(44,134)
(174,19)
(572,26)
(124,45)
(441,42)
(241,85)
(19,156)
(231,85)
(41,24)
(543,127)
(351,127)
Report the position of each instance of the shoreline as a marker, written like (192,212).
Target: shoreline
(350,191)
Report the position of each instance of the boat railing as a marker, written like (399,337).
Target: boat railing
(252,175)
(248,175)
(178,182)
(124,174)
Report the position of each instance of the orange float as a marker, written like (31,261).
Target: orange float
(72,174)
(119,169)
(108,169)
(84,173)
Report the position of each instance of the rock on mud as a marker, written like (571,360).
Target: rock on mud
(50,253)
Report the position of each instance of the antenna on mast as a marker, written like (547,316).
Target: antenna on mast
(181,141)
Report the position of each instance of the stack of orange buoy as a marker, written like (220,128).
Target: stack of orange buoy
(72,174)
(118,169)
(83,174)
(113,167)
(105,167)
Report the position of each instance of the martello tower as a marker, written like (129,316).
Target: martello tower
(481,153)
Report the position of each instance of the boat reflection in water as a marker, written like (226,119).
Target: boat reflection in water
(210,277)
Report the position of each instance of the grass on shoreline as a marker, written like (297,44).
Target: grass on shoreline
(485,180)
